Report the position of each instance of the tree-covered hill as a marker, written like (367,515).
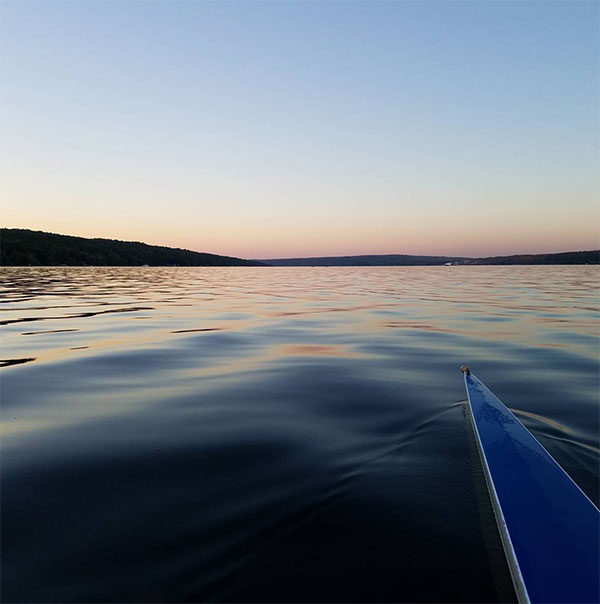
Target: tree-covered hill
(22,247)
(587,257)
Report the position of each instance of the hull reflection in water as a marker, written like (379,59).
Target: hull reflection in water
(258,434)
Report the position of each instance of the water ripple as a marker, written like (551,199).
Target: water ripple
(293,434)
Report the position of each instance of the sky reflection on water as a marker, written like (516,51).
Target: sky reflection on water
(291,434)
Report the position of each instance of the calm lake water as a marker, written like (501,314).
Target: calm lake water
(277,434)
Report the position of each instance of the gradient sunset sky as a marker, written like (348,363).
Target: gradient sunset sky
(272,129)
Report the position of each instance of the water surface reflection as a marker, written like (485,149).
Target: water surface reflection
(276,434)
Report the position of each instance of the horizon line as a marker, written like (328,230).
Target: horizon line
(310,257)
(264,259)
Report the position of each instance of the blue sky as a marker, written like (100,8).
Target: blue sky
(302,128)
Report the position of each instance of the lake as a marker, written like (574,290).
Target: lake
(277,434)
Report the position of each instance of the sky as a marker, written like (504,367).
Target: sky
(274,129)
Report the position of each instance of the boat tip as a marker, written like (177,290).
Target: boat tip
(465,369)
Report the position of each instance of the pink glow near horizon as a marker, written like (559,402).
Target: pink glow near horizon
(463,240)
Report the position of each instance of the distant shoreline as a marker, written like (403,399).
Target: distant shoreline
(560,258)
(24,247)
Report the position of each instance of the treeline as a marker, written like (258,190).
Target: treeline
(365,260)
(22,247)
(587,257)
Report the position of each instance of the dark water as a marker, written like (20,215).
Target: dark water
(293,434)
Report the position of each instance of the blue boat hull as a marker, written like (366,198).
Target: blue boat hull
(549,528)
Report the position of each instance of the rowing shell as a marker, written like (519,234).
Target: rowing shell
(550,530)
